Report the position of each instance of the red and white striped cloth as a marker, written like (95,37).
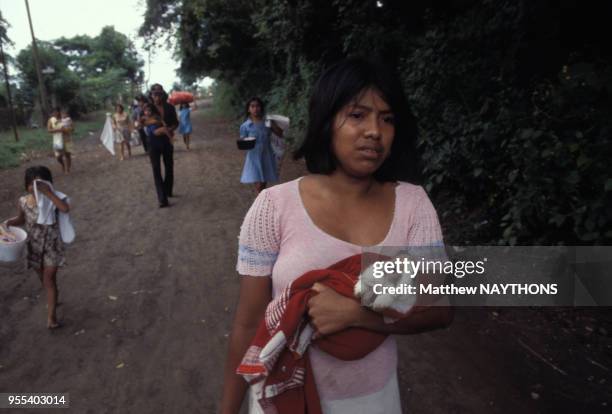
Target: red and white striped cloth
(278,354)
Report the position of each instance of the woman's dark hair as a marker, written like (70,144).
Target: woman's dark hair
(184,105)
(337,87)
(254,99)
(163,93)
(37,172)
(119,106)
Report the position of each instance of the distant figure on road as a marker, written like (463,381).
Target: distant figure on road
(161,142)
(121,126)
(185,128)
(160,121)
(259,164)
(54,126)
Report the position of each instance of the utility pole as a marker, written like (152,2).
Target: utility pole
(42,95)
(8,91)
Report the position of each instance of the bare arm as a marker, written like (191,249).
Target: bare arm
(18,220)
(331,312)
(51,129)
(58,202)
(255,294)
(162,131)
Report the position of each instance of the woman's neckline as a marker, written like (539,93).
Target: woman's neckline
(320,230)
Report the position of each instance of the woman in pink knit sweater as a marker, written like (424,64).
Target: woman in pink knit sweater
(359,144)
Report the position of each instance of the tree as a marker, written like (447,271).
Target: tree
(89,72)
(105,63)
(63,83)
(4,40)
(5,59)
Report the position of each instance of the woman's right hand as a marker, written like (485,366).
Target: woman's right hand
(43,187)
(330,312)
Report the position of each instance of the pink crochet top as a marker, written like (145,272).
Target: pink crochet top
(278,238)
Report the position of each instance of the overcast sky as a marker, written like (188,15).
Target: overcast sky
(53,19)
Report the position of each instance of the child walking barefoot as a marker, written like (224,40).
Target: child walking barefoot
(45,249)
(185,127)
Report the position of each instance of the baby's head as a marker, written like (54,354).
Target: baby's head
(151,111)
(65,113)
(38,172)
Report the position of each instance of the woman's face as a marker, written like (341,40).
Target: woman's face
(255,109)
(157,98)
(363,134)
(119,110)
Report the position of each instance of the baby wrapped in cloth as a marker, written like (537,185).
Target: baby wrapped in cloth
(277,363)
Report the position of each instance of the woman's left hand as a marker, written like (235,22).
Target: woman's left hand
(331,312)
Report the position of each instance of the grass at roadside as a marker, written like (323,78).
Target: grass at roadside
(33,142)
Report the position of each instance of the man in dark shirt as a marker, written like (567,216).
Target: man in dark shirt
(160,146)
(159,98)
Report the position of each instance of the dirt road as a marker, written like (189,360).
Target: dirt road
(148,293)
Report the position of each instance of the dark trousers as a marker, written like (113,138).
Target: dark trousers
(144,139)
(160,147)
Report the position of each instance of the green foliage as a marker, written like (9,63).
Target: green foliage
(4,25)
(517,150)
(63,83)
(225,99)
(109,51)
(88,71)
(513,113)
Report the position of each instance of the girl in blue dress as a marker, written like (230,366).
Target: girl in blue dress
(259,164)
(185,123)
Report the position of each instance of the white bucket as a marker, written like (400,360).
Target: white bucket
(12,251)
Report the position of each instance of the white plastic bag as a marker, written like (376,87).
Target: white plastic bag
(278,143)
(107,137)
(66,228)
(65,225)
